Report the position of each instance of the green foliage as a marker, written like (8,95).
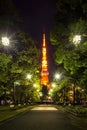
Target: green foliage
(71,20)
(5,63)
(59,55)
(26,61)
(27,56)
(78,28)
(22,56)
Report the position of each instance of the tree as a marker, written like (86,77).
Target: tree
(22,56)
(25,60)
(5,64)
(70,20)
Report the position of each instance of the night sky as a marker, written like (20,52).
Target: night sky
(38,16)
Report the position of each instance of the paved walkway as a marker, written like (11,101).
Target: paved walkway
(48,118)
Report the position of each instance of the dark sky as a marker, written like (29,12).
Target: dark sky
(38,15)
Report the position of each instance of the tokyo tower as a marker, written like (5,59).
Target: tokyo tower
(44,65)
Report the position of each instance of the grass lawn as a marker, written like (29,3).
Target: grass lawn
(78,109)
(6,112)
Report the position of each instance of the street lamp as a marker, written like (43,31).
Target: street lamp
(50,91)
(16,83)
(41,94)
(38,90)
(57,76)
(34,85)
(77,39)
(5,41)
(53,85)
(29,76)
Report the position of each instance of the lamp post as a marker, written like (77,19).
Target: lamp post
(5,41)
(57,76)
(77,39)
(16,83)
(53,85)
(34,85)
(28,76)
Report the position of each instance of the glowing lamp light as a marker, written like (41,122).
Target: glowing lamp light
(38,90)
(57,76)
(41,94)
(5,41)
(77,39)
(53,85)
(51,90)
(29,76)
(34,85)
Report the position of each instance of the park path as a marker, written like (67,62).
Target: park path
(43,117)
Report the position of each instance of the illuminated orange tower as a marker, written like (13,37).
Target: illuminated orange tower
(44,67)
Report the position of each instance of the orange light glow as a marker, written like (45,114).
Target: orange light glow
(44,70)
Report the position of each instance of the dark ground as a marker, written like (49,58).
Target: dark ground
(42,120)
